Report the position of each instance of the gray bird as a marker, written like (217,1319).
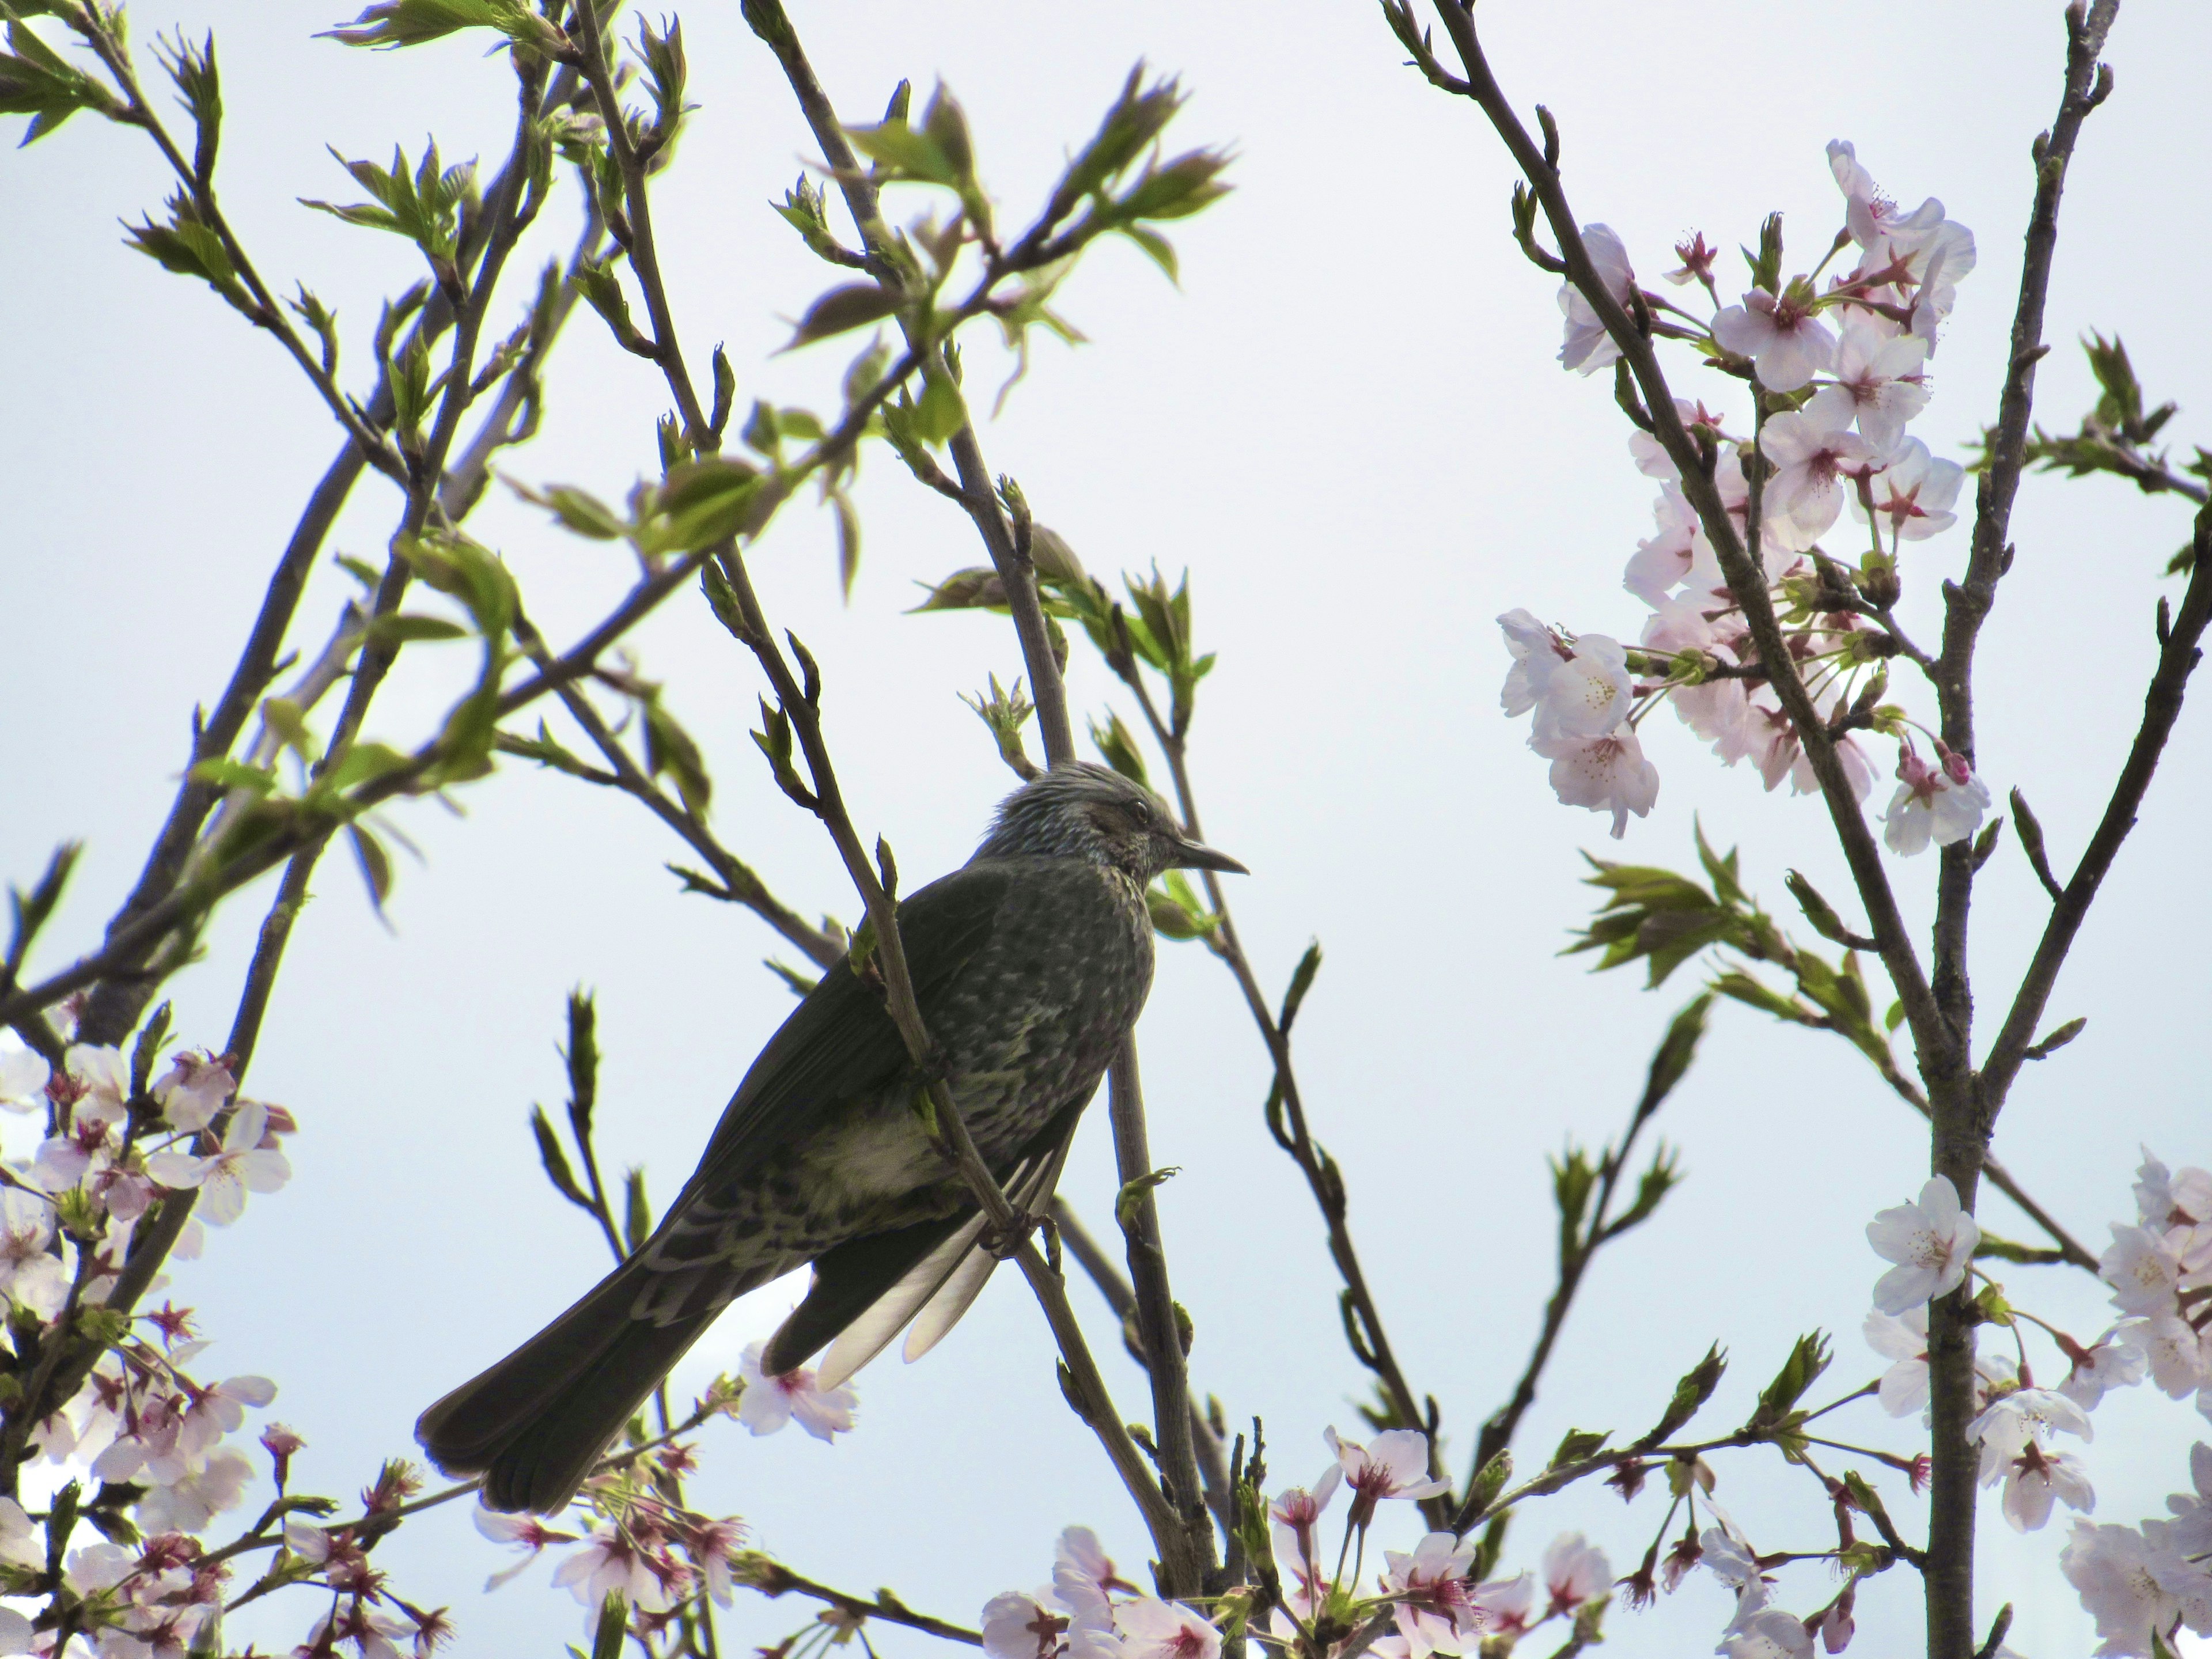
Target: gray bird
(1030,963)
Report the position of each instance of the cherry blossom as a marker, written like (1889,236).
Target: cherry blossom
(1813,453)
(1019,1626)
(23,1078)
(189,1503)
(1933,804)
(1938,266)
(1607,774)
(2178,1354)
(2115,1360)
(1697,262)
(1578,690)
(1588,347)
(1914,494)
(769,1402)
(528,1533)
(29,1276)
(2190,1529)
(2032,1480)
(105,1076)
(1769,1633)
(1878,383)
(1787,342)
(1902,1339)
(193,1090)
(2144,1274)
(1932,1241)
(1165,1630)
(1438,1613)
(611,1562)
(1869,215)
(224,1179)
(2133,1587)
(1508,1604)
(1573,1571)
(1395,1466)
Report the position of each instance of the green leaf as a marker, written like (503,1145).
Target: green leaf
(1482,1491)
(38,81)
(375,865)
(702,503)
(359,763)
(1128,1200)
(903,152)
(1691,1394)
(555,1160)
(854,305)
(1577,1444)
(637,1213)
(1677,1050)
(411,22)
(614,1620)
(940,411)
(1808,1359)
(405,628)
(848,541)
(1118,745)
(227,774)
(1301,979)
(1818,911)
(30,912)
(669,748)
(578,510)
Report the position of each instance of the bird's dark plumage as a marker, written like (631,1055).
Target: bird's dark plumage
(1030,963)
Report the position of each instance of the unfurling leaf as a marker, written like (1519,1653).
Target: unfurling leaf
(841,310)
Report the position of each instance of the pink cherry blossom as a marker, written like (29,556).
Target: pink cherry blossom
(224,1179)
(1932,1241)
(1588,347)
(1901,1338)
(769,1402)
(105,1076)
(1438,1613)
(1787,342)
(610,1563)
(29,1276)
(1769,1633)
(1872,217)
(2115,1360)
(187,1504)
(1878,383)
(193,1090)
(1019,1626)
(2032,1480)
(1931,806)
(1814,454)
(23,1078)
(1607,774)
(1914,494)
(1581,689)
(527,1533)
(1574,1571)
(1508,1604)
(2132,1587)
(1395,1466)
(1165,1630)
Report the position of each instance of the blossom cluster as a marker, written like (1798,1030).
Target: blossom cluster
(154,1435)
(2137,1582)
(637,1540)
(1837,373)
(1429,1598)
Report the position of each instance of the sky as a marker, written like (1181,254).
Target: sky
(1347,422)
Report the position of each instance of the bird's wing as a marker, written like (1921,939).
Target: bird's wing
(838,1045)
(865,1292)
(1031,1196)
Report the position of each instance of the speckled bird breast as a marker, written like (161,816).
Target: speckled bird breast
(1032,1022)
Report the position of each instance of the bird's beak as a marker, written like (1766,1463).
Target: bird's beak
(1197,855)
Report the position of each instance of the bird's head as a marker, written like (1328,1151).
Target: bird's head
(1078,810)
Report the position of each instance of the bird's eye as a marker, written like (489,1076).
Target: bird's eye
(1140,813)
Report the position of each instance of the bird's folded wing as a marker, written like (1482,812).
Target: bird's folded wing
(839,1045)
(864,1293)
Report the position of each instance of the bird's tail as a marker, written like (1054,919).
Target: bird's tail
(534,1424)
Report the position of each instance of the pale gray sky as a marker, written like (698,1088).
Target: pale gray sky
(1348,424)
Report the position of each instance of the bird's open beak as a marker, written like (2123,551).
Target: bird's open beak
(1197,855)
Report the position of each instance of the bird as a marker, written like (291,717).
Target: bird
(1030,963)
